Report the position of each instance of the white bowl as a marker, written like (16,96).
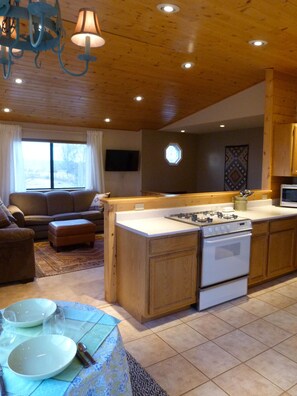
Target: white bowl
(30,312)
(42,357)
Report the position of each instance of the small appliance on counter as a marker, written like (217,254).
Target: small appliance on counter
(288,195)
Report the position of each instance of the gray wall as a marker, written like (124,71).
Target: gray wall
(202,166)
(211,157)
(157,174)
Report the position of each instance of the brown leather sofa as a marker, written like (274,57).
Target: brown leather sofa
(36,210)
(17,261)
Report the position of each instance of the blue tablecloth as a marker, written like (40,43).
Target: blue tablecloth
(109,376)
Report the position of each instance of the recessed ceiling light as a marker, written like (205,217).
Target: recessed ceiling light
(7,110)
(258,43)
(138,98)
(107,120)
(18,81)
(222,125)
(183,130)
(168,8)
(187,65)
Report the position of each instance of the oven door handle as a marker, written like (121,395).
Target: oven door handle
(228,237)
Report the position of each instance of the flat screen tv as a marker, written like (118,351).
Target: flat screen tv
(121,160)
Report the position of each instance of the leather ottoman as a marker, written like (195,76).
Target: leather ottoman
(71,232)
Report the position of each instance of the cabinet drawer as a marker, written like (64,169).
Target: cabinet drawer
(173,243)
(260,228)
(280,225)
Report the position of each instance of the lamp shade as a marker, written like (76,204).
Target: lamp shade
(87,26)
(12,36)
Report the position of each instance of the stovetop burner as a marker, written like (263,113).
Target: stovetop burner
(205,217)
(214,223)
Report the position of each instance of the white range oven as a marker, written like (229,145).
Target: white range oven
(224,257)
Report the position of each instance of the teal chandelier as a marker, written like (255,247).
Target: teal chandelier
(44,31)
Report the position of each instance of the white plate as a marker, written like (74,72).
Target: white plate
(30,312)
(42,357)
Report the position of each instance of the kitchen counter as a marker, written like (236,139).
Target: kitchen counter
(268,212)
(156,226)
(152,223)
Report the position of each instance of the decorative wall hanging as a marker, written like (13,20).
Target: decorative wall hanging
(236,167)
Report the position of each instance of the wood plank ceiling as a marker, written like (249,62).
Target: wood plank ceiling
(143,54)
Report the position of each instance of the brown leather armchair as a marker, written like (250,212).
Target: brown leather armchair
(17,261)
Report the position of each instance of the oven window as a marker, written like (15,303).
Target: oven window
(226,251)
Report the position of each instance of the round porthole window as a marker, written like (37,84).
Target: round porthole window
(173,153)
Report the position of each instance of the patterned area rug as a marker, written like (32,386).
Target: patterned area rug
(142,383)
(48,262)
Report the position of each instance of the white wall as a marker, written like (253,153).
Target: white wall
(120,184)
(242,110)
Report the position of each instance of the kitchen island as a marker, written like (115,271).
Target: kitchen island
(158,258)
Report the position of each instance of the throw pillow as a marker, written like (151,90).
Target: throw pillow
(4,220)
(7,212)
(97,204)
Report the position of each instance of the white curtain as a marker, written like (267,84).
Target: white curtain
(12,177)
(94,170)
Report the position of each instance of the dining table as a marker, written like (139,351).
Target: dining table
(83,323)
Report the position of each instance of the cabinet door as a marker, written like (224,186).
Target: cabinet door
(173,281)
(283,142)
(281,247)
(259,250)
(294,152)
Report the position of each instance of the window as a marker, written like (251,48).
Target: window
(50,165)
(173,153)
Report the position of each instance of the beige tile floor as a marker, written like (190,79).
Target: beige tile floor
(244,347)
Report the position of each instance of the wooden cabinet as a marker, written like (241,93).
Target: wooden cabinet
(259,252)
(273,249)
(156,276)
(284,150)
(172,281)
(282,240)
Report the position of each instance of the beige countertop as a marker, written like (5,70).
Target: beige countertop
(156,226)
(152,223)
(268,212)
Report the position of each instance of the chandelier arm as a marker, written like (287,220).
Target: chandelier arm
(6,71)
(6,67)
(37,63)
(70,72)
(36,43)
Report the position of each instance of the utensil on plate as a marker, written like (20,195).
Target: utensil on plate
(83,349)
(81,358)
(2,386)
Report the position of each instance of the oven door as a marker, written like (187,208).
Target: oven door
(225,257)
